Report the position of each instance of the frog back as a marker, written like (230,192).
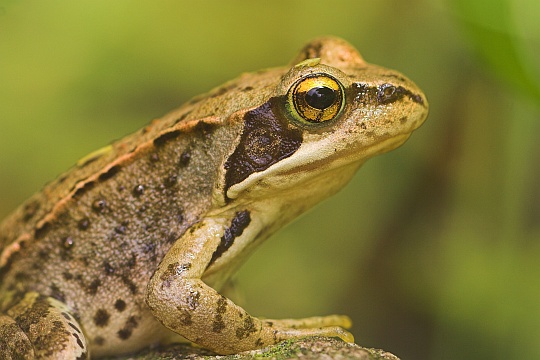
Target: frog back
(107,223)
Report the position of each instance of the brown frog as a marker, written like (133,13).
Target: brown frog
(131,247)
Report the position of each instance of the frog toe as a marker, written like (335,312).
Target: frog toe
(341,321)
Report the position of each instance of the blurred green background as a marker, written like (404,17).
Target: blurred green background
(432,249)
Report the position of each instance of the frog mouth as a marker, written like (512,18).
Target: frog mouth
(337,164)
(349,156)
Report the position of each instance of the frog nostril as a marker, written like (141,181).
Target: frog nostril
(388,93)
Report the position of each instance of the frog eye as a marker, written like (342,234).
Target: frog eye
(315,99)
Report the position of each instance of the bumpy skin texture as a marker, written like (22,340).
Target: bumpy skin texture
(130,247)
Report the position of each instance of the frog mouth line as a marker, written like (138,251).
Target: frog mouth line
(347,157)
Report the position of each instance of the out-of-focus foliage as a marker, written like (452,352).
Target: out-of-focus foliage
(432,249)
(505,33)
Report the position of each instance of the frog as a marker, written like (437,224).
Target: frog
(134,245)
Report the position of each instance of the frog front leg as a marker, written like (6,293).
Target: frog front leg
(39,327)
(182,302)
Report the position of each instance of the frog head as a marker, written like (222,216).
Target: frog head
(329,113)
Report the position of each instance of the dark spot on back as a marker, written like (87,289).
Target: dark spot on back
(109,270)
(127,330)
(124,334)
(83,224)
(99,341)
(80,191)
(171,180)
(93,287)
(130,284)
(42,230)
(68,242)
(67,276)
(138,190)
(109,173)
(120,230)
(101,318)
(205,129)
(164,138)
(99,205)
(120,305)
(184,158)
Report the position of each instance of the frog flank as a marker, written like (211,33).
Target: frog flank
(131,247)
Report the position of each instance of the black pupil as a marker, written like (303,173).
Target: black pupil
(321,97)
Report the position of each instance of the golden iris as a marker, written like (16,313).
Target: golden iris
(316,98)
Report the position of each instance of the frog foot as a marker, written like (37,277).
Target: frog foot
(329,326)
